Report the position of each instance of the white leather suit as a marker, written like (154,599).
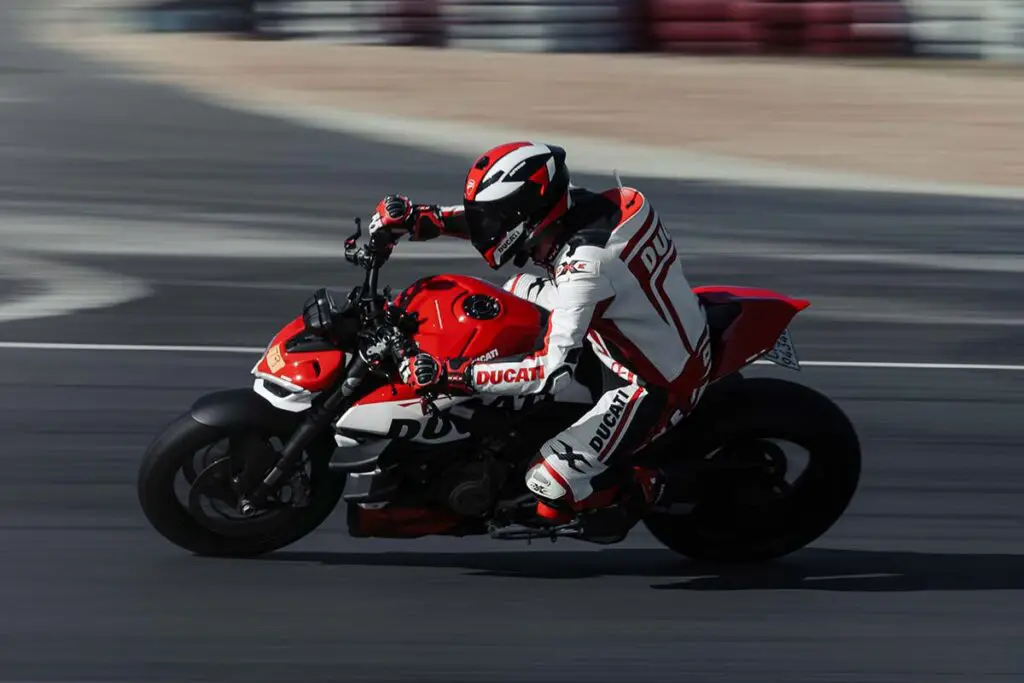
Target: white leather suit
(617,284)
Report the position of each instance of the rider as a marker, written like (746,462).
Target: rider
(612,277)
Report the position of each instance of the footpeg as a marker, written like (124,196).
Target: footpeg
(518,532)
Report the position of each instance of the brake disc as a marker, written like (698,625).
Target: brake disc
(214,483)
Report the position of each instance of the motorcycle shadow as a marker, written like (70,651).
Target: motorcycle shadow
(814,569)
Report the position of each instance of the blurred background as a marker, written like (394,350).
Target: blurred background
(177,177)
(969,29)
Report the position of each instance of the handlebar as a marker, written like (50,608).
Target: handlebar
(371,257)
(383,334)
(390,337)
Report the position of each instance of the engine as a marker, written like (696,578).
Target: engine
(469,487)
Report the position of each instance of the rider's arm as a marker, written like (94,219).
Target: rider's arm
(421,222)
(575,302)
(433,221)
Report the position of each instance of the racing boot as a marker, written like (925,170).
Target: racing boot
(610,514)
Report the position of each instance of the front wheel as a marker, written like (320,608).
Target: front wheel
(749,510)
(187,487)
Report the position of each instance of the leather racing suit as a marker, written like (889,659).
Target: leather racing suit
(617,284)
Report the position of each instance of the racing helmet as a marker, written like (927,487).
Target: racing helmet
(514,193)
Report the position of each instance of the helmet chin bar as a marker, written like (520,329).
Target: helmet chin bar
(545,248)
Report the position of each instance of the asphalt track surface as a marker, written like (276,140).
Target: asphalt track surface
(920,581)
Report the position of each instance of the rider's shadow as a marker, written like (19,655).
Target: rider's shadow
(809,569)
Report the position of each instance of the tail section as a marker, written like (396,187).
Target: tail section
(746,324)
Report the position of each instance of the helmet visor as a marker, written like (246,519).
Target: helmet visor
(490,226)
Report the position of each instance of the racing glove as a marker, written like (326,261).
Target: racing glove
(400,216)
(393,213)
(423,372)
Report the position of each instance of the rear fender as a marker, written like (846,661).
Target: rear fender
(745,323)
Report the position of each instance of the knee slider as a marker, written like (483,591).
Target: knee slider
(543,485)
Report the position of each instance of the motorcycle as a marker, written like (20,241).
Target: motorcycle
(327,420)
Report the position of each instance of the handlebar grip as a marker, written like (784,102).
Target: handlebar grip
(382,236)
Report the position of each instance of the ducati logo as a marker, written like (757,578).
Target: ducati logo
(510,375)
(508,242)
(493,353)
(656,250)
(610,419)
(437,428)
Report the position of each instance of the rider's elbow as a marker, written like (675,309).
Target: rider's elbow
(557,381)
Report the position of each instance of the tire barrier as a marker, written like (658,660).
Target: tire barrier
(1004,40)
(948,29)
(968,29)
(196,16)
(354,22)
(542,25)
(846,27)
(965,29)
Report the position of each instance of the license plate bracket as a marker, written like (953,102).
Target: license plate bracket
(784,353)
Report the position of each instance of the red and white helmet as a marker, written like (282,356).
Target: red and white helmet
(514,192)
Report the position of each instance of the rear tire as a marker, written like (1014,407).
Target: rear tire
(168,454)
(765,408)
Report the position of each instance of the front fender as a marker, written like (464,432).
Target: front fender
(243,409)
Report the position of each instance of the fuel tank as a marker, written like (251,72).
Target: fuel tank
(466,317)
(460,317)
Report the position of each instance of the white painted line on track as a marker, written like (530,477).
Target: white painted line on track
(903,366)
(67,346)
(835,577)
(61,346)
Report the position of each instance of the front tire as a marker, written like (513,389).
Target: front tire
(171,453)
(752,411)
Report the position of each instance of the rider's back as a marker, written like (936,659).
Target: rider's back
(655,323)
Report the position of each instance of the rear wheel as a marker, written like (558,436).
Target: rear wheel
(187,486)
(755,508)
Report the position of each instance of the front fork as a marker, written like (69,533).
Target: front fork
(314,423)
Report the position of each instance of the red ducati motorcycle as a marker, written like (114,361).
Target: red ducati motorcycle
(327,419)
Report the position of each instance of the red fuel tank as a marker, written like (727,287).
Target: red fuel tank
(466,317)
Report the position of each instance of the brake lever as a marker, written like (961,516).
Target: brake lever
(351,250)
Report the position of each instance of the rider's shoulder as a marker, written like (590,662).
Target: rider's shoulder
(629,201)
